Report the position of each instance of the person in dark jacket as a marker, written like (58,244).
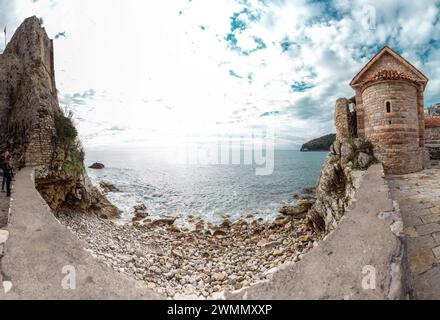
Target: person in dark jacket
(8,173)
(2,166)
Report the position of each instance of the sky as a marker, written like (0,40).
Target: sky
(153,73)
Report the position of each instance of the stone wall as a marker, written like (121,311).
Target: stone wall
(433,141)
(345,120)
(395,132)
(28,97)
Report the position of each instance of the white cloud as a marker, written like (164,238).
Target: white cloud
(160,68)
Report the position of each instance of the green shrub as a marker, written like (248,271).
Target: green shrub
(66,131)
(356,165)
(74,165)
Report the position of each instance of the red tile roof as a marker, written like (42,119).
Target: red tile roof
(432,122)
(388,75)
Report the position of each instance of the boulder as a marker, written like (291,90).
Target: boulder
(358,143)
(163,221)
(364,160)
(219,233)
(97,166)
(347,153)
(309,190)
(298,211)
(108,187)
(140,212)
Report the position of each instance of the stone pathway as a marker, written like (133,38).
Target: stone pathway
(4,210)
(43,261)
(418,196)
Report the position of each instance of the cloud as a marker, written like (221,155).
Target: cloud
(227,65)
(78,98)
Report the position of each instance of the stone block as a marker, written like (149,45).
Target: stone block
(436,251)
(428,229)
(421,261)
(432,218)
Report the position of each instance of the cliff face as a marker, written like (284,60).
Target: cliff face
(335,187)
(33,126)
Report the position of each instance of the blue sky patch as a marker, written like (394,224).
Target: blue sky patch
(301,86)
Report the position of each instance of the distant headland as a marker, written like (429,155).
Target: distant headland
(321,144)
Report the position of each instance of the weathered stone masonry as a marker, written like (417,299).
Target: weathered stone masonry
(389,111)
(28,96)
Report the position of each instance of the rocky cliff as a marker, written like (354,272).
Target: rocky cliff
(335,187)
(34,127)
(320,144)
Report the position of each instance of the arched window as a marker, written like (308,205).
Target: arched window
(388,106)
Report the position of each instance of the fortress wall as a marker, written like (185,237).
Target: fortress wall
(395,134)
(28,97)
(432,135)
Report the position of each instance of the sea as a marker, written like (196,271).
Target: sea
(211,192)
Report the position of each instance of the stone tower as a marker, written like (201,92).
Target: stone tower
(389,107)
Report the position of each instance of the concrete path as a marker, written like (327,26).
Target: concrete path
(418,195)
(4,209)
(360,260)
(43,260)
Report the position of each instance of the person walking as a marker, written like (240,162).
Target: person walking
(8,173)
(2,166)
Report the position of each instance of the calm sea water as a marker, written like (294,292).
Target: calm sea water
(209,191)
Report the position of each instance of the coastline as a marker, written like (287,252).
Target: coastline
(199,263)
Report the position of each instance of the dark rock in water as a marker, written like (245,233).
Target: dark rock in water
(97,166)
(140,212)
(320,144)
(300,197)
(108,187)
(310,190)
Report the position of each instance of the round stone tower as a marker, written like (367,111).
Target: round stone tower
(390,107)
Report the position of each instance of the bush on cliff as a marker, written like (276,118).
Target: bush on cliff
(66,131)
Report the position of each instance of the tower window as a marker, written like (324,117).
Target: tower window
(388,106)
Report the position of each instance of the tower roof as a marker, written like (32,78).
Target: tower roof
(404,71)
